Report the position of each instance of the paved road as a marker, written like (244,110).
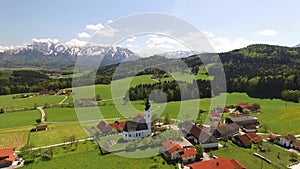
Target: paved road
(58,144)
(43,119)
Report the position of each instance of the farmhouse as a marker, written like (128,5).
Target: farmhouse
(245,140)
(254,138)
(104,128)
(228,130)
(249,128)
(242,120)
(139,126)
(242,140)
(8,158)
(108,128)
(199,135)
(289,141)
(215,116)
(218,163)
(172,151)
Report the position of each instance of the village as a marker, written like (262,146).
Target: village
(191,148)
(187,144)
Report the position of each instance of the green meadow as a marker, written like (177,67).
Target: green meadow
(246,157)
(56,133)
(87,155)
(14,136)
(281,117)
(9,102)
(19,118)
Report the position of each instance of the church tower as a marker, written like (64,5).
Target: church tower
(147,115)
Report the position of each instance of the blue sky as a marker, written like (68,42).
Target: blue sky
(227,24)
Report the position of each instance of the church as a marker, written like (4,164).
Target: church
(140,126)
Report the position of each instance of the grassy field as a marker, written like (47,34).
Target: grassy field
(56,133)
(119,87)
(56,114)
(286,121)
(7,101)
(86,156)
(275,114)
(246,157)
(14,137)
(19,118)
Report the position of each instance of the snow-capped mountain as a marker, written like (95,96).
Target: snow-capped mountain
(297,46)
(52,47)
(178,54)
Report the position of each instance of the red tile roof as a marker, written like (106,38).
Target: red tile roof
(218,163)
(243,104)
(272,136)
(254,137)
(171,146)
(117,125)
(244,139)
(216,114)
(140,115)
(7,154)
(189,152)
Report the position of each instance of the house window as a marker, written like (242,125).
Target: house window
(139,134)
(129,135)
(125,135)
(136,134)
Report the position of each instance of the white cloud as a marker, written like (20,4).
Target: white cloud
(131,39)
(76,42)
(208,34)
(268,32)
(83,35)
(107,31)
(156,41)
(46,40)
(224,44)
(102,30)
(96,27)
(110,21)
(132,46)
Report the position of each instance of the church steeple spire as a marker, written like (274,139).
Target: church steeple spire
(147,115)
(147,105)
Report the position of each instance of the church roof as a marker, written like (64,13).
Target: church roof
(139,123)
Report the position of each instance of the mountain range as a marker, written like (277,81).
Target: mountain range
(49,53)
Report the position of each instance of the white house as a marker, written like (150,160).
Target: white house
(289,141)
(199,135)
(139,126)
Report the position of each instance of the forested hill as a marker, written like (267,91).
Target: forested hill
(263,71)
(261,53)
